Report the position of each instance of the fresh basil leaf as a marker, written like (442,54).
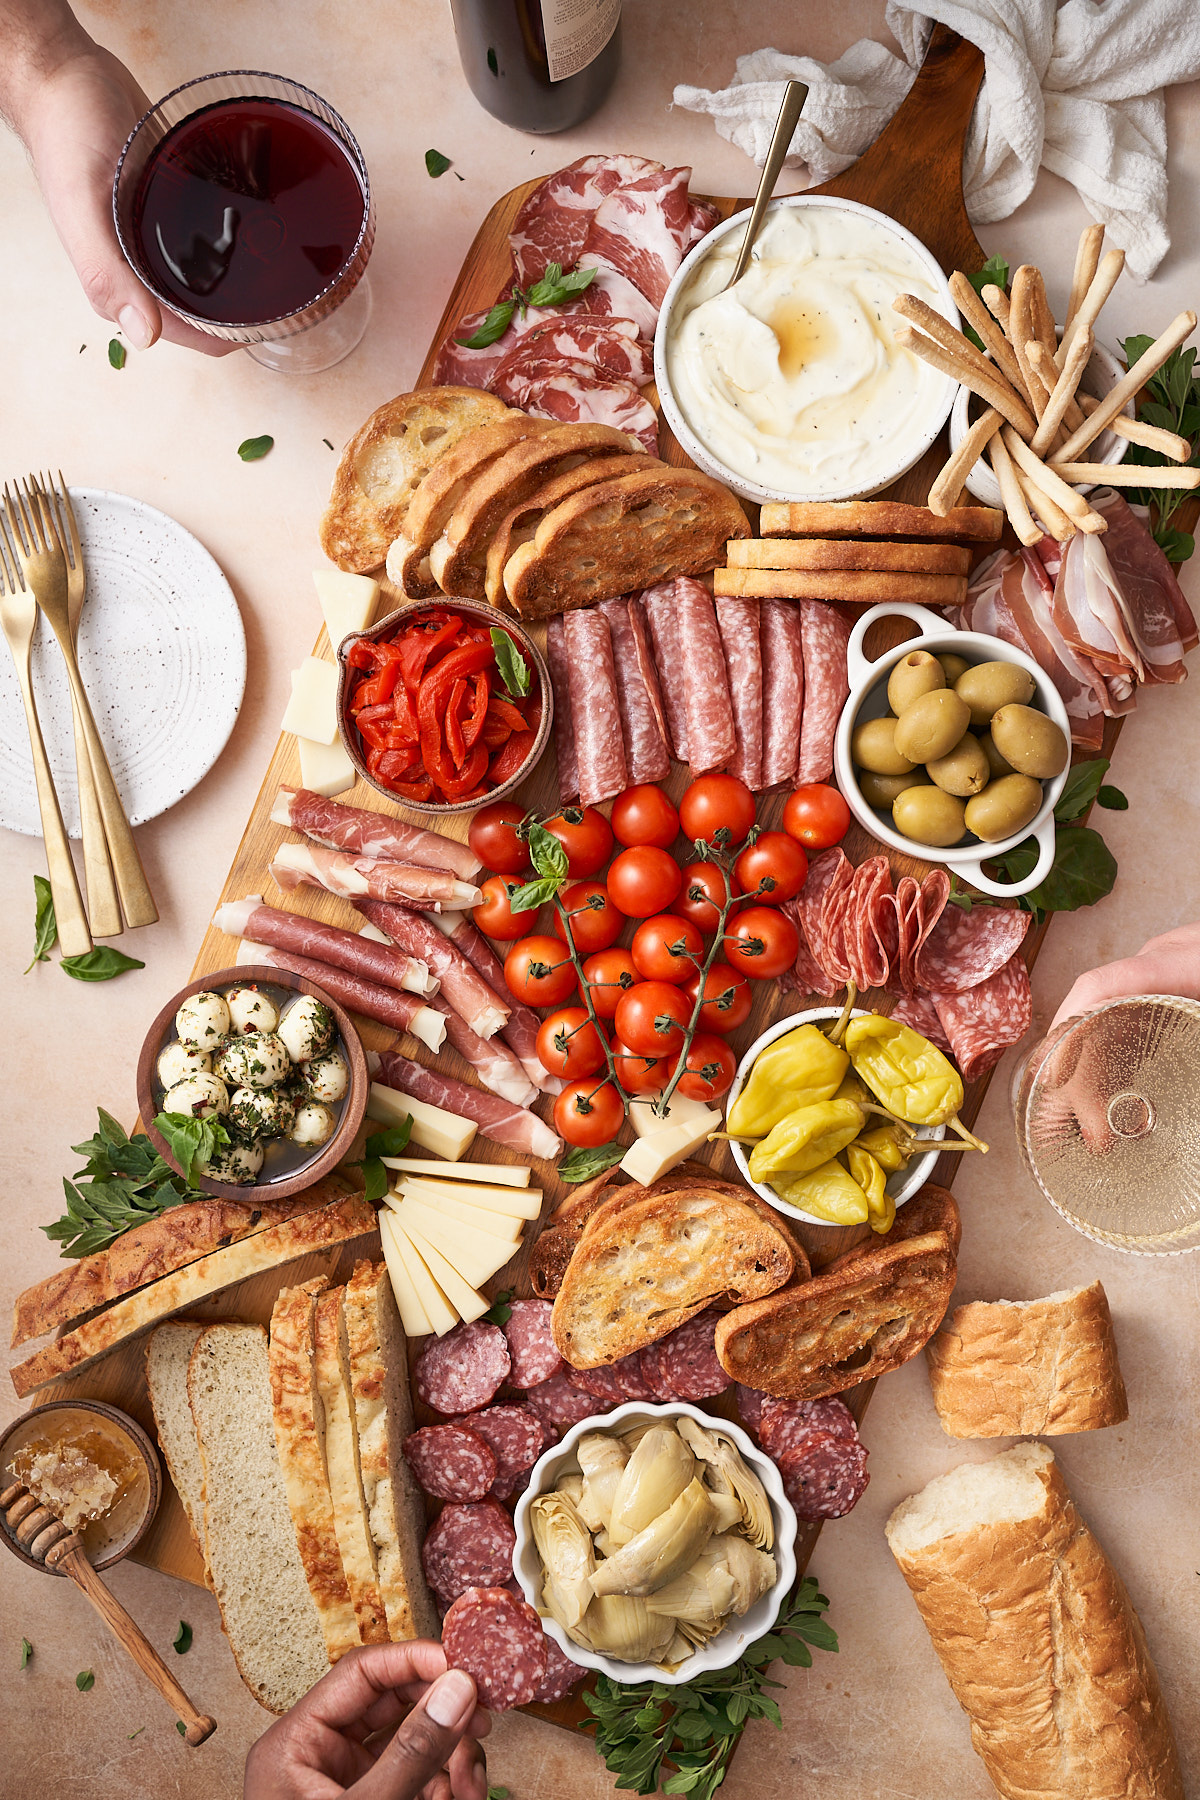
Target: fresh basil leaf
(375,1178)
(116,353)
(1176,546)
(181,1728)
(138,1732)
(514,670)
(435,163)
(192,1142)
(494,326)
(1080,789)
(26,1652)
(581,1165)
(500,1311)
(85,1680)
(547,854)
(555,287)
(532,895)
(1112,799)
(1083,871)
(392,1142)
(1135,347)
(181,1643)
(254,449)
(102,963)
(45,925)
(994,273)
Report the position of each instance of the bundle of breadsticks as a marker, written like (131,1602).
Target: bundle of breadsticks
(1037,421)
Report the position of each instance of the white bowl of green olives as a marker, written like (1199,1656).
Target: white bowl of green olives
(954,743)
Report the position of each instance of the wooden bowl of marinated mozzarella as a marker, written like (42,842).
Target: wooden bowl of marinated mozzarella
(274,1060)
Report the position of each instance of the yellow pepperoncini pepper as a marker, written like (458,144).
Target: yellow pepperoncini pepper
(798,1069)
(806,1138)
(905,1072)
(828,1193)
(887,1147)
(881,1208)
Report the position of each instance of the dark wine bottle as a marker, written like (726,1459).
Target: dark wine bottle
(539,65)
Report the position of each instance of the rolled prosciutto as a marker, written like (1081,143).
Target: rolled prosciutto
(339,872)
(462,987)
(738,623)
(298,936)
(783,698)
(491,1058)
(403,1012)
(520,1033)
(366,833)
(711,738)
(647,757)
(595,709)
(497,1119)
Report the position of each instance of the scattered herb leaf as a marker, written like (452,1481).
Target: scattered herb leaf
(994,273)
(958,895)
(116,353)
(45,925)
(552,290)
(581,1165)
(458,177)
(327,443)
(494,66)
(192,1142)
(254,449)
(1174,404)
(499,1312)
(392,1142)
(435,163)
(514,670)
(101,963)
(181,1643)
(181,1728)
(85,1680)
(26,1652)
(138,1732)
(549,861)
(82,348)
(494,326)
(1112,799)
(124,1183)
(1081,787)
(1083,871)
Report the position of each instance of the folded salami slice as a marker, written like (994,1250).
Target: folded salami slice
(403,1012)
(451,1462)
(783,700)
(662,621)
(750,1404)
(824,1477)
(468,1546)
(965,948)
(738,623)
(919,1011)
(811,974)
(559,1405)
(516,1438)
(644,651)
(905,901)
(786,1423)
(461,986)
(871,937)
(835,921)
(595,709)
(825,634)
(499,1120)
(988,1019)
(712,740)
(339,872)
(531,1346)
(647,757)
(301,936)
(928,907)
(601,1383)
(366,833)
(521,1027)
(492,1060)
(499,1642)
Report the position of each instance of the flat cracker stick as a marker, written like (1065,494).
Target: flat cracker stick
(877,518)
(990,387)
(1136,431)
(1019,515)
(1126,474)
(1087,261)
(949,485)
(1102,285)
(1059,524)
(1063,392)
(1020,330)
(1053,485)
(1180,329)
(989,329)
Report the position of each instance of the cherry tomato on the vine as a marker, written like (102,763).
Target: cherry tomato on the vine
(652,1018)
(568,1043)
(495,917)
(589,1113)
(704,908)
(643,881)
(774,867)
(538,972)
(717,803)
(761,941)
(727,998)
(595,921)
(493,838)
(585,835)
(640,1074)
(609,974)
(644,815)
(667,948)
(816,816)
(709,1070)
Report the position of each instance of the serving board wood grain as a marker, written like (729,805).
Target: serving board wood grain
(913,172)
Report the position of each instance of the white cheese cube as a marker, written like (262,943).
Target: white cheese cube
(653,1156)
(325,768)
(312,710)
(680,1111)
(348,602)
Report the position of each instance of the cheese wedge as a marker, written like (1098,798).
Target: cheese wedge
(432,1127)
(516,1175)
(413,1317)
(466,1300)
(514,1203)
(501,1225)
(439,1315)
(653,1156)
(348,602)
(312,710)
(325,769)
(475,1254)
(681,1111)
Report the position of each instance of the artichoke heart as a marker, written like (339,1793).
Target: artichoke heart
(570,1484)
(663,1550)
(653,1479)
(680,1650)
(565,1547)
(729,1475)
(602,1459)
(702,1597)
(620,1625)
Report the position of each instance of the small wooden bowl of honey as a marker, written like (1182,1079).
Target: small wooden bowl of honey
(95,1460)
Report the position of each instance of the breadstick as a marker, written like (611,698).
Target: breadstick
(921,314)
(1087,260)
(996,301)
(1059,524)
(943,495)
(1040,315)
(1019,515)
(991,387)
(981,320)
(1020,330)
(1052,485)
(1180,328)
(1126,474)
(1064,387)
(1135,431)
(1102,285)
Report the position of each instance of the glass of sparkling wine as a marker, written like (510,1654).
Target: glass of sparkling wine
(242,202)
(1108,1123)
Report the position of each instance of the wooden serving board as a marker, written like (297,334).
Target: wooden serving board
(914,173)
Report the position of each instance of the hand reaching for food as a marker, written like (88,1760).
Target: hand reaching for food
(1169,964)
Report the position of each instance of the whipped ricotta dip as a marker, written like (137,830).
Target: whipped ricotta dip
(793,379)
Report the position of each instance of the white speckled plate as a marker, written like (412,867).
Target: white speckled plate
(163,656)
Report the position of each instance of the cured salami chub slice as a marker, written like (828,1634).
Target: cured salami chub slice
(451,1462)
(651,1370)
(782,689)
(595,710)
(750,1403)
(498,1641)
(468,1546)
(824,1476)
(966,948)
(785,1423)
(560,1677)
(871,938)
(564,729)
(711,738)
(663,624)
(825,632)
(364,833)
(806,976)
(647,757)
(835,920)
(738,623)
(630,1378)
(531,1347)
(515,1437)
(689,1362)
(919,1011)
(461,1372)
(559,1405)
(987,1020)
(805,911)
(601,1383)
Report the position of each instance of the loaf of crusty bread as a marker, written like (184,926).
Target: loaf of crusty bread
(1028,1368)
(167,1352)
(1036,1634)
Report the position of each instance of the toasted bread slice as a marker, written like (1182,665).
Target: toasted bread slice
(849,553)
(879,518)
(385,462)
(932,1209)
(458,558)
(433,503)
(844,1326)
(647,1264)
(620,535)
(518,526)
(332,1363)
(557,1243)
(167,1352)
(853,587)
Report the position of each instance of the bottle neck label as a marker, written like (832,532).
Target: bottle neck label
(576,32)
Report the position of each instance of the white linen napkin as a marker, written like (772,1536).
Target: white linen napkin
(1074,87)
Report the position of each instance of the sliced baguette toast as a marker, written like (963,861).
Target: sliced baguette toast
(434,501)
(266,1608)
(332,1365)
(384,463)
(167,1353)
(932,1209)
(816,554)
(850,586)
(632,532)
(879,518)
(299,1419)
(519,525)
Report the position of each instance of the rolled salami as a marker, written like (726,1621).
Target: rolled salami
(647,757)
(710,732)
(403,1012)
(663,625)
(491,1058)
(738,623)
(564,728)
(497,1119)
(338,872)
(595,709)
(520,1031)
(366,833)
(825,635)
(464,989)
(783,697)
(293,933)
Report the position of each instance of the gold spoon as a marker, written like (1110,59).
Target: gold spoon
(794,96)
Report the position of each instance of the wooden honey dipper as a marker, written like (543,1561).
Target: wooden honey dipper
(42,1535)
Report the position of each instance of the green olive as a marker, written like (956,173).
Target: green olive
(929,816)
(915,674)
(996,762)
(1031,742)
(1004,807)
(990,685)
(932,725)
(952,666)
(881,790)
(873,747)
(964,771)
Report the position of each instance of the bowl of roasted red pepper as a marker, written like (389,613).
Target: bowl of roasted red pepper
(443,706)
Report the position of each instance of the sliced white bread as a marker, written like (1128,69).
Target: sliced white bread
(266,1608)
(332,1363)
(378,1352)
(167,1353)
(300,1441)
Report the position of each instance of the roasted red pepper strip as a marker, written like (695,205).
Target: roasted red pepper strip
(420,645)
(454,723)
(382,684)
(513,717)
(361,655)
(506,762)
(435,690)
(453,787)
(405,715)
(495,733)
(474,722)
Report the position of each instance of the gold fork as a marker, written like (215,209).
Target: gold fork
(104,910)
(18,619)
(43,564)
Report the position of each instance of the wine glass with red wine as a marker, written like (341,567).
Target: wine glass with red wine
(242,201)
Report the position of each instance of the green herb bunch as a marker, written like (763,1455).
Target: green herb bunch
(1174,404)
(126,1182)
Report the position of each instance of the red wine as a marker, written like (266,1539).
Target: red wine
(246,211)
(539,65)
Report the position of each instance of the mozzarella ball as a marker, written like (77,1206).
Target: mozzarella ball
(327,1077)
(261,1112)
(237,1164)
(250,1010)
(307,1027)
(177,1062)
(202,1021)
(314,1125)
(200,1096)
(257,1061)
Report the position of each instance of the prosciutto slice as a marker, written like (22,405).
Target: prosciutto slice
(783,690)
(642,229)
(711,737)
(738,623)
(1156,609)
(825,632)
(497,1119)
(456,366)
(564,727)
(1010,598)
(553,222)
(366,833)
(339,872)
(663,624)
(520,1032)
(1089,610)
(462,987)
(647,757)
(492,1060)
(295,935)
(573,391)
(403,1012)
(607,346)
(595,710)
(612,294)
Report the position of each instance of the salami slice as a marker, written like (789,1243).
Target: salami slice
(965,949)
(532,1349)
(560,1677)
(602,1383)
(459,1373)
(738,623)
(689,1360)
(927,909)
(710,731)
(498,1641)
(650,1358)
(835,922)
(904,901)
(782,689)
(630,1379)
(595,709)
(451,1462)
(468,1546)
(515,1437)
(825,632)
(806,913)
(806,976)
(786,1423)
(750,1403)
(645,662)
(663,625)
(919,1011)
(824,1477)
(988,1019)
(564,729)
(871,936)
(559,1404)
(647,757)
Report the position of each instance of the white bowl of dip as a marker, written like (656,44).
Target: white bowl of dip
(790,386)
